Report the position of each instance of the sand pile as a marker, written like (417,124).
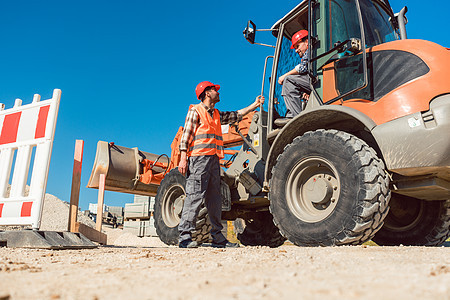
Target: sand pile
(55,217)
(55,214)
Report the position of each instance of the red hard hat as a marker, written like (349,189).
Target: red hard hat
(299,35)
(202,86)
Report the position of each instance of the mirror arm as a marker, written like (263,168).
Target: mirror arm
(267,29)
(264,45)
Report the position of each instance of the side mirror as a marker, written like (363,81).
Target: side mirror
(249,32)
(402,14)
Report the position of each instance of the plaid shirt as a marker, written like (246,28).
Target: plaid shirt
(193,121)
(302,67)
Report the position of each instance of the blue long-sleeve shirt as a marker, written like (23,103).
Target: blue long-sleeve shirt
(302,67)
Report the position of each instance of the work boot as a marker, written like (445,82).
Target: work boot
(188,244)
(225,244)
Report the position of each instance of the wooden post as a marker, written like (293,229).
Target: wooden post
(76,181)
(101,197)
(91,234)
(74,226)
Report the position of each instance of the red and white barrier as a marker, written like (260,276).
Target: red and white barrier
(22,128)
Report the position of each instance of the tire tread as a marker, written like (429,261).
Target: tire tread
(373,205)
(169,235)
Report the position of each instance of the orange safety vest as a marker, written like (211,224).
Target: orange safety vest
(208,135)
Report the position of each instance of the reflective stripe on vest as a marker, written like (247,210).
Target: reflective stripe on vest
(208,135)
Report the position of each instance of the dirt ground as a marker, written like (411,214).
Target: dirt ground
(145,268)
(287,272)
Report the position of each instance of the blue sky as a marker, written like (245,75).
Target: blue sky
(128,69)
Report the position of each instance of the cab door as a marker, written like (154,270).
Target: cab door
(338,49)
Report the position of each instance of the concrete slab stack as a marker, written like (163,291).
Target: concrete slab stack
(139,216)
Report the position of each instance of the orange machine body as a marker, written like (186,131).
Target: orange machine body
(411,97)
(154,171)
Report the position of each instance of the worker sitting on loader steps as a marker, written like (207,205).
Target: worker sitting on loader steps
(295,83)
(202,144)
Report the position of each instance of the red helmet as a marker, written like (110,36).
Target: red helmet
(202,86)
(298,36)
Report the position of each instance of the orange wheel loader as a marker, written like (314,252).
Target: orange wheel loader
(368,157)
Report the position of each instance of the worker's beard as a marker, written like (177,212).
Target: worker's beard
(216,99)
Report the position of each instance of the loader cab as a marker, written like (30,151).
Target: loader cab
(340,32)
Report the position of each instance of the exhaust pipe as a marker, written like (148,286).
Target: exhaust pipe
(123,168)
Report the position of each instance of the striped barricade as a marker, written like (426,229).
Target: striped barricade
(22,128)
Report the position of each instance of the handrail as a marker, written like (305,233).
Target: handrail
(263,80)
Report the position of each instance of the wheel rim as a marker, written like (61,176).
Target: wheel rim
(405,214)
(312,189)
(173,205)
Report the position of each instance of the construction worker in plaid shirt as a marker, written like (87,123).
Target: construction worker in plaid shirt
(201,149)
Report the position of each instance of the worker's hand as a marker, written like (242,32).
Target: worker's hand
(260,100)
(182,167)
(281,79)
(305,96)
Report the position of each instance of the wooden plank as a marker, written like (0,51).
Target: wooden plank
(101,198)
(76,181)
(91,233)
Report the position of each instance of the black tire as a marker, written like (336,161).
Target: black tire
(414,222)
(259,231)
(167,211)
(329,188)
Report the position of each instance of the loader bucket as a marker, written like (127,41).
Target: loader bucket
(122,168)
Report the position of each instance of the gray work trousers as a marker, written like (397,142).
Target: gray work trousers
(202,182)
(293,88)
